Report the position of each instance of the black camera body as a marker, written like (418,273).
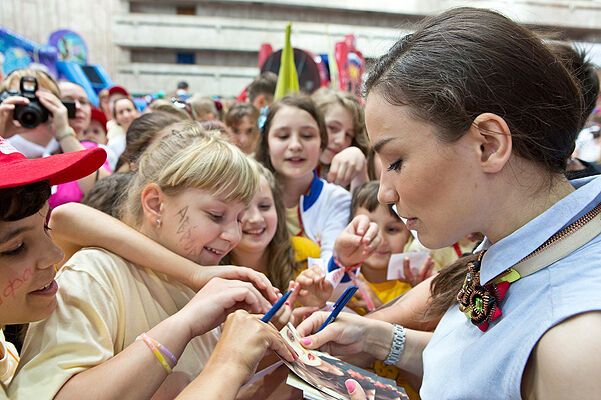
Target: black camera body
(32,114)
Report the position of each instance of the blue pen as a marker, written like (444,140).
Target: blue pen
(274,309)
(339,305)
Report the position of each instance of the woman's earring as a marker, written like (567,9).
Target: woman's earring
(158,222)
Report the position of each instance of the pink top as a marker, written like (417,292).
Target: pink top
(70,191)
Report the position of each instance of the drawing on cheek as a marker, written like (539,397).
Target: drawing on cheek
(184,220)
(15,284)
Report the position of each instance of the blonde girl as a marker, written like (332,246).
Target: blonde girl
(189,195)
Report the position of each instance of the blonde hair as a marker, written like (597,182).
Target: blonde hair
(190,157)
(45,81)
(324,98)
(201,106)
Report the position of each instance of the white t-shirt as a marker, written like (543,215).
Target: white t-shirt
(104,303)
(33,150)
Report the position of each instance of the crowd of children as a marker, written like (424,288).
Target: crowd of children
(137,249)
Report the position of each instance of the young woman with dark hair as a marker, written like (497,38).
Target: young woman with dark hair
(474,120)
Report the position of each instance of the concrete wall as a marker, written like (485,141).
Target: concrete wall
(137,40)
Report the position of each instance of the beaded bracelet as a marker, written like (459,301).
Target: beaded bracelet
(155,346)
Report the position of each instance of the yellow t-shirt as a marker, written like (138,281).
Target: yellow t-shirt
(9,359)
(104,303)
(389,290)
(293,222)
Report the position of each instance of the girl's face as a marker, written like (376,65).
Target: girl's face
(339,123)
(125,112)
(197,225)
(394,236)
(27,259)
(259,221)
(94,133)
(293,141)
(245,135)
(438,187)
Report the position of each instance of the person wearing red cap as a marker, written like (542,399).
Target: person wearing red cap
(27,254)
(96,130)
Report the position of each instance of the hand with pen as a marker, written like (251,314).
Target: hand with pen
(365,339)
(284,311)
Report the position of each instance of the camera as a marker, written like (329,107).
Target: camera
(32,114)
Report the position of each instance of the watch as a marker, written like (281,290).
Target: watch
(397,346)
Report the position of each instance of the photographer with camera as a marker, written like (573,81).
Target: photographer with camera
(39,125)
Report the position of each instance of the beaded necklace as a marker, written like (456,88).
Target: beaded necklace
(481,304)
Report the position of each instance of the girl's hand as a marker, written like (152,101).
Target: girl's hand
(424,272)
(203,275)
(218,298)
(349,334)
(243,343)
(357,241)
(8,126)
(347,165)
(60,119)
(315,290)
(358,303)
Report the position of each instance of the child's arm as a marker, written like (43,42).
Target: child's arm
(75,226)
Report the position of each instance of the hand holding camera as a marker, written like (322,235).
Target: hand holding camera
(7,126)
(31,107)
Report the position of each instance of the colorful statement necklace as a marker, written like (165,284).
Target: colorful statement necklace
(481,304)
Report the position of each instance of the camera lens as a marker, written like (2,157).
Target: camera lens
(30,115)
(29,119)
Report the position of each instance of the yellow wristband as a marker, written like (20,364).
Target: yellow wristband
(155,350)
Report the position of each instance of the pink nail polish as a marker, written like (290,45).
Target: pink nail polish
(306,341)
(350,386)
(287,303)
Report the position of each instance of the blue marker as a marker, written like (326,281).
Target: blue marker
(276,307)
(339,305)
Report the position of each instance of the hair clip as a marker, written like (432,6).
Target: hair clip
(262,118)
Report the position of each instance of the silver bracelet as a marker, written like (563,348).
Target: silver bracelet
(397,346)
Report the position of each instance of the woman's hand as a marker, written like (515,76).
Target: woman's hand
(425,271)
(357,241)
(218,298)
(60,118)
(346,166)
(200,277)
(244,340)
(315,290)
(349,334)
(8,127)
(355,390)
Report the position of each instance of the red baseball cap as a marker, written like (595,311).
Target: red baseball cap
(118,89)
(98,116)
(18,170)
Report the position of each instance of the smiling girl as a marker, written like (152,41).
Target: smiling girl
(293,140)
(179,200)
(343,161)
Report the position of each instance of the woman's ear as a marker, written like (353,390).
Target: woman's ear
(152,203)
(493,135)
